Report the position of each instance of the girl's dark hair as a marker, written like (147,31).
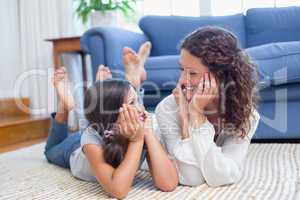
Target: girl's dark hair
(102,102)
(218,49)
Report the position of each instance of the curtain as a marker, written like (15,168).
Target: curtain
(26,66)
(9,48)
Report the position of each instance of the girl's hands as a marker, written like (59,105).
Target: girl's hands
(206,92)
(130,124)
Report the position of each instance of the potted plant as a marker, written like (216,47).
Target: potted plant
(104,12)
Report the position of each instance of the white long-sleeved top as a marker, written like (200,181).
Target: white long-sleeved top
(199,159)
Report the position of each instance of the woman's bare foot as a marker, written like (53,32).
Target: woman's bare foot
(103,73)
(144,52)
(134,64)
(61,83)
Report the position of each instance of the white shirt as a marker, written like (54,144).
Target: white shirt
(199,159)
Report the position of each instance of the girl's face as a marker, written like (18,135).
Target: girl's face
(192,70)
(131,99)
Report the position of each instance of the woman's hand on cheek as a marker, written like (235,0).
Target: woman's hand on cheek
(182,112)
(204,95)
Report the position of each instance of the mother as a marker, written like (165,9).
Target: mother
(215,102)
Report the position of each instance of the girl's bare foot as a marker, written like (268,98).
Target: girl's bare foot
(103,73)
(61,83)
(134,63)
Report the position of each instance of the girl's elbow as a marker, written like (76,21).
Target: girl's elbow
(167,186)
(120,194)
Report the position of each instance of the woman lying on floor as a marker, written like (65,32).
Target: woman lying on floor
(110,150)
(215,102)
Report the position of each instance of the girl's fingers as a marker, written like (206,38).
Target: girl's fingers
(137,116)
(130,122)
(120,126)
(132,114)
(123,121)
(122,117)
(126,114)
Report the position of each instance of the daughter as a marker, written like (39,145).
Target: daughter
(109,151)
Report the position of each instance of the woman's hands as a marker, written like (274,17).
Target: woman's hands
(205,93)
(193,112)
(183,106)
(131,123)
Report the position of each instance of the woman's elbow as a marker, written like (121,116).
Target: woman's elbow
(223,179)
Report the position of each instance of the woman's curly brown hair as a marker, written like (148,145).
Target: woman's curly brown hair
(218,49)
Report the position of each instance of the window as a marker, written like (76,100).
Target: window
(228,7)
(171,7)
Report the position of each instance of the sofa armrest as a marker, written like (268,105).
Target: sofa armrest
(105,45)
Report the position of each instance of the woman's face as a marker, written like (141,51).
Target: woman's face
(192,70)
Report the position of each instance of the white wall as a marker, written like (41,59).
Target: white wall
(25,24)
(9,46)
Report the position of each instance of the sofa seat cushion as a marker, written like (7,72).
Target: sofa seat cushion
(162,73)
(278,63)
(266,25)
(165,32)
(281,93)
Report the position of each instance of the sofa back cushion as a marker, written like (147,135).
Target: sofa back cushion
(278,63)
(165,32)
(266,25)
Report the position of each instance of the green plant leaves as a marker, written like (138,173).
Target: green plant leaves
(86,7)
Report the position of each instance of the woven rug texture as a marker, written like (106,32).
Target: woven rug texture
(272,171)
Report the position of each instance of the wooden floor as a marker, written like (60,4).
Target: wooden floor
(18,128)
(20,145)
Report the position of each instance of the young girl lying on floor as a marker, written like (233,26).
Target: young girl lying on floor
(110,149)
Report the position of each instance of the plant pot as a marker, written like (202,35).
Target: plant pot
(107,18)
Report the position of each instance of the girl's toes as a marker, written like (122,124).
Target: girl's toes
(103,73)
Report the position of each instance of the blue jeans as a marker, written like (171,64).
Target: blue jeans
(60,145)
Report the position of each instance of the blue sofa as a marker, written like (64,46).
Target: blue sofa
(271,36)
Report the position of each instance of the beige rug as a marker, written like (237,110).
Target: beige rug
(272,171)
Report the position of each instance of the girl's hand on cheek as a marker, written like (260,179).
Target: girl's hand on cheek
(147,123)
(130,125)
